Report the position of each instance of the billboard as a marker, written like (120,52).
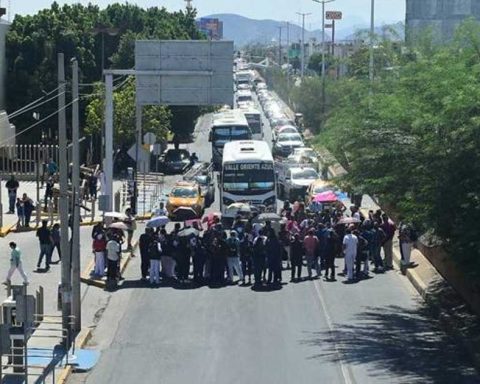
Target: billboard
(184,72)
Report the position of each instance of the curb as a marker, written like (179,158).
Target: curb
(86,277)
(83,338)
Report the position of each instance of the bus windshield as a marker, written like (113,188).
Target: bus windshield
(222,135)
(248,179)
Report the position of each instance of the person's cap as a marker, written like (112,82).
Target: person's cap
(351,226)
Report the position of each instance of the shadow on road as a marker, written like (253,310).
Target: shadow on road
(408,343)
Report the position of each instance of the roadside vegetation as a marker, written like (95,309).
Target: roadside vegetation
(77,30)
(413,140)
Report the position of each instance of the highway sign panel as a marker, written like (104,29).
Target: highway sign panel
(333,15)
(184,72)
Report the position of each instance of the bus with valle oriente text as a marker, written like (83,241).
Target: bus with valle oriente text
(248,175)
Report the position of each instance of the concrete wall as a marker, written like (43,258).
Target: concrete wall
(3,68)
(443,16)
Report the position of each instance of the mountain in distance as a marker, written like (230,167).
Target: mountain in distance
(243,30)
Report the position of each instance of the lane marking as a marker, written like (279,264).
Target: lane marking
(347,376)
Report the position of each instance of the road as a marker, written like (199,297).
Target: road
(376,331)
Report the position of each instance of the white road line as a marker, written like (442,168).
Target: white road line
(347,375)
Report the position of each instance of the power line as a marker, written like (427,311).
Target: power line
(14,115)
(33,102)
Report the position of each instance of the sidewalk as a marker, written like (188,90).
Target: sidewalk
(9,221)
(448,305)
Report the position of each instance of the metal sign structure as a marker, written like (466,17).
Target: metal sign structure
(184,72)
(333,15)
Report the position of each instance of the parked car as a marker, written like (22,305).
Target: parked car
(285,143)
(175,161)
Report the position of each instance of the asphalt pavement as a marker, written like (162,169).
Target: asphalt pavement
(376,331)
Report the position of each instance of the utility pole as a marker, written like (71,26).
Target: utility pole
(280,46)
(288,54)
(323,2)
(108,161)
(372,33)
(76,302)
(63,207)
(302,70)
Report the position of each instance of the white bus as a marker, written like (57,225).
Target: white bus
(248,175)
(254,119)
(227,126)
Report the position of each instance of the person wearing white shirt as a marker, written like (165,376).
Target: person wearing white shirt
(350,244)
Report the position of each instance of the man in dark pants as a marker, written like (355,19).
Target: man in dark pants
(12,186)
(144,243)
(45,238)
(258,259)
(329,249)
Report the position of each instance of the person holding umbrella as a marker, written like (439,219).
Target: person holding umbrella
(350,245)
(154,255)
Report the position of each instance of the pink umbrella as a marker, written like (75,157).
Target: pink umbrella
(325,197)
(209,217)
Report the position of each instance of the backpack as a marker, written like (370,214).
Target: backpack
(153,251)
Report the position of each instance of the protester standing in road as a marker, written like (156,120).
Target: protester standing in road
(233,260)
(45,238)
(389,228)
(15,264)
(350,245)
(274,250)
(12,187)
(296,255)
(154,254)
(113,257)
(329,249)
(259,256)
(199,258)
(310,244)
(407,237)
(99,249)
(246,257)
(144,246)
(167,261)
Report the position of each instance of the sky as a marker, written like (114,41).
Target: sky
(355,11)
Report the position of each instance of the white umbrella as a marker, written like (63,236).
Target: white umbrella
(119,225)
(116,215)
(158,221)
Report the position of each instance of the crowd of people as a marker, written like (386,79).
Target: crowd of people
(259,253)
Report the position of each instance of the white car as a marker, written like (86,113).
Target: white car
(285,143)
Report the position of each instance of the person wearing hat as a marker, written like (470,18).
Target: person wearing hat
(15,264)
(233,260)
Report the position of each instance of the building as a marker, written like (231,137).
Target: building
(441,16)
(212,28)
(3,61)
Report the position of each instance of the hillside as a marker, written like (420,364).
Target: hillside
(243,30)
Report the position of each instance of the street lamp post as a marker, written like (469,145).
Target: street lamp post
(323,2)
(303,43)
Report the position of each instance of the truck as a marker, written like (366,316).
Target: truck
(293,179)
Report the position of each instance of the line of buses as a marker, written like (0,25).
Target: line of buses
(245,161)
